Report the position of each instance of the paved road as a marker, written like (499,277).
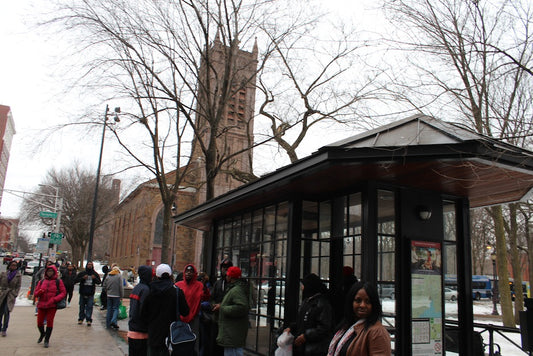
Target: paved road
(68,338)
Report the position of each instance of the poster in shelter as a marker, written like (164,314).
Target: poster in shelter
(426,298)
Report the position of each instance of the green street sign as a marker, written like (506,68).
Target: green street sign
(56,238)
(47,214)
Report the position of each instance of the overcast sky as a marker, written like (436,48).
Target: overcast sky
(29,88)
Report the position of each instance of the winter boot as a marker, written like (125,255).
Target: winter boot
(47,336)
(41,337)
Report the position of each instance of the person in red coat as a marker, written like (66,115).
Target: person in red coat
(49,293)
(195,295)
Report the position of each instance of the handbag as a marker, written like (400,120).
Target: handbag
(62,304)
(181,339)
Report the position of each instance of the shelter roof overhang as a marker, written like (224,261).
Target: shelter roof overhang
(484,170)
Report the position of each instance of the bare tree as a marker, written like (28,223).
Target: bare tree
(482,236)
(180,65)
(461,76)
(76,187)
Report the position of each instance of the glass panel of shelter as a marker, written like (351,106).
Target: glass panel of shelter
(449,259)
(386,249)
(257,243)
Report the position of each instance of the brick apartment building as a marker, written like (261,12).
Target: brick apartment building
(7,131)
(137,228)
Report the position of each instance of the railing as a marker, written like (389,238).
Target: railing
(494,348)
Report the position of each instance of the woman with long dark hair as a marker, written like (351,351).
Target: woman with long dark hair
(361,333)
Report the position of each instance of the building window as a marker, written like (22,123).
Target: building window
(257,243)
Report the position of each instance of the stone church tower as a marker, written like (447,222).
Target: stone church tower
(137,226)
(236,118)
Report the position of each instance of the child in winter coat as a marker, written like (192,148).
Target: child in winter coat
(50,290)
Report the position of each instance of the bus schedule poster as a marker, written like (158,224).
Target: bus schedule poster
(426,298)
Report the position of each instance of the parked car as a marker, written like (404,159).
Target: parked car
(450,294)
(9,256)
(387,291)
(30,267)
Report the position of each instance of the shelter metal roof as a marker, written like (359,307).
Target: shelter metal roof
(419,152)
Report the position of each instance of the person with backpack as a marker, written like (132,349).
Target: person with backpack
(159,309)
(50,290)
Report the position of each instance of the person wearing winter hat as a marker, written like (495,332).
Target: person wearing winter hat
(114,289)
(50,291)
(159,309)
(233,313)
(315,322)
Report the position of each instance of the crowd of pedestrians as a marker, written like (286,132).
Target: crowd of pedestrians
(217,314)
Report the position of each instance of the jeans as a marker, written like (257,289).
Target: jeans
(233,351)
(86,307)
(112,310)
(4,315)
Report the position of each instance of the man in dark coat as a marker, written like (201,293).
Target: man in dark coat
(88,280)
(159,309)
(138,329)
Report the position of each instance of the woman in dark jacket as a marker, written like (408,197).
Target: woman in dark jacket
(159,310)
(315,318)
(68,276)
(50,291)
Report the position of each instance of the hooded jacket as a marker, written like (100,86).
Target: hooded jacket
(47,291)
(137,298)
(194,293)
(159,310)
(88,288)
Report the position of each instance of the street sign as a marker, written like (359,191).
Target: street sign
(56,238)
(42,245)
(48,214)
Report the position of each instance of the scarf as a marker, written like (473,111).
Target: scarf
(11,275)
(340,338)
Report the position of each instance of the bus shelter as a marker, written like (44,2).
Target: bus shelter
(392,204)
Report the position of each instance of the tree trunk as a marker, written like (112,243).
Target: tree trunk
(515,262)
(503,275)
(165,243)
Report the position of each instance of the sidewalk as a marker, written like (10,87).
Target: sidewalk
(68,338)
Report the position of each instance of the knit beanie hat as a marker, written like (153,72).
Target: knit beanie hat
(234,272)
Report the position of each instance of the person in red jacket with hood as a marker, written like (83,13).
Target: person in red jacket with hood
(49,293)
(195,295)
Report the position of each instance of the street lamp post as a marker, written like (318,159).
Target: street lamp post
(95,198)
(495,286)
